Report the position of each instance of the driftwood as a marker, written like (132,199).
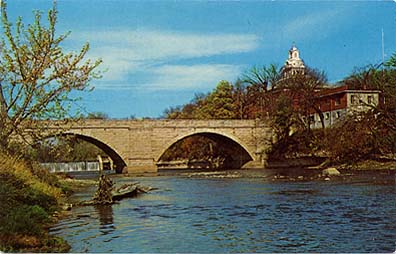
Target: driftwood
(107,194)
(129,190)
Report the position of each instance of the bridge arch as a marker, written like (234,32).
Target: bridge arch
(218,135)
(110,151)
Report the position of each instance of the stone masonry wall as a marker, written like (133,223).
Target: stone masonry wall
(140,143)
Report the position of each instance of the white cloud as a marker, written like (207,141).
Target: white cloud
(316,24)
(152,45)
(181,77)
(169,77)
(126,52)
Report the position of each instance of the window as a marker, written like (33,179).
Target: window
(312,119)
(337,101)
(327,116)
(328,102)
(338,114)
(354,99)
(369,99)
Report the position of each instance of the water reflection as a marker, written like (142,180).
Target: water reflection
(106,219)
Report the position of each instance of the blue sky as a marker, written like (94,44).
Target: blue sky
(159,54)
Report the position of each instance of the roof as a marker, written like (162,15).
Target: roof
(343,89)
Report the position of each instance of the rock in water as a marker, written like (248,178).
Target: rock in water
(331,172)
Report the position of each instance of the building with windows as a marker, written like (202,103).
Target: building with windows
(337,102)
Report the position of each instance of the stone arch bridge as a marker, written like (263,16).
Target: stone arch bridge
(137,145)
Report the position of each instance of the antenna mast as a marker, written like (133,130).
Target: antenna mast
(383,47)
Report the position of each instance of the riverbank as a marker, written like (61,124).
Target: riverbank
(370,165)
(367,170)
(30,196)
(293,175)
(72,184)
(302,169)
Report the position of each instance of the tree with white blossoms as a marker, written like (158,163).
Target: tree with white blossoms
(37,77)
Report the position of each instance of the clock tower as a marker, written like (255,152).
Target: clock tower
(294,64)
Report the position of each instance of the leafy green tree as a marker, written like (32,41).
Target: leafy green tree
(220,103)
(391,61)
(37,77)
(283,119)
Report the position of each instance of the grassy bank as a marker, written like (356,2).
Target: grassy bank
(29,196)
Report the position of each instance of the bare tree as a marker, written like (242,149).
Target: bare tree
(259,82)
(265,77)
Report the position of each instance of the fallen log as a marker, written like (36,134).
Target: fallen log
(125,191)
(130,190)
(107,194)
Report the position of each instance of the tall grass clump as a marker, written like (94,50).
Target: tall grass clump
(28,196)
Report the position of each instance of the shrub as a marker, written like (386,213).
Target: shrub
(34,177)
(28,196)
(44,175)
(24,219)
(351,141)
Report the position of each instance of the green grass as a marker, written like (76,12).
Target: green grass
(28,196)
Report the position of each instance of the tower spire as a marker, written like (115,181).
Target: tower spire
(294,64)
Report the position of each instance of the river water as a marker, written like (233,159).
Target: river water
(238,215)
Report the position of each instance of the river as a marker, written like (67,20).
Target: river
(238,215)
